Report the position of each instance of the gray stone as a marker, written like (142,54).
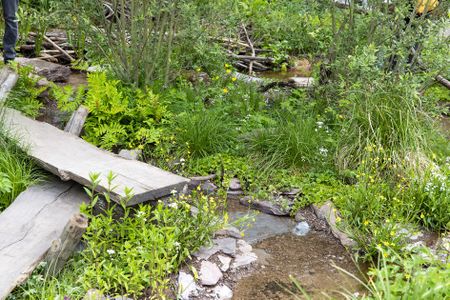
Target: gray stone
(234,195)
(229,231)
(328,213)
(131,154)
(198,180)
(235,185)
(49,70)
(292,193)
(244,247)
(186,286)
(208,187)
(222,292)
(302,82)
(226,245)
(299,217)
(301,229)
(264,225)
(206,252)
(267,207)
(94,294)
(225,262)
(210,273)
(243,260)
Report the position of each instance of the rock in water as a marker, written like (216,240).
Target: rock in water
(210,273)
(222,292)
(301,229)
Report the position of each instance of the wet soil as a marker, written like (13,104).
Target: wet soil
(309,259)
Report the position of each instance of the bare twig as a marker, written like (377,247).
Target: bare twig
(250,66)
(64,52)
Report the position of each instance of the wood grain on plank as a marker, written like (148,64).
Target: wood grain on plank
(71,158)
(30,224)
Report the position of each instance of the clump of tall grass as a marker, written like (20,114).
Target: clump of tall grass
(385,116)
(293,141)
(17,171)
(204,133)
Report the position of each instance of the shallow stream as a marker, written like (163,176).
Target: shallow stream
(309,259)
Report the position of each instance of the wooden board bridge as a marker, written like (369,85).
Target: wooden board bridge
(38,216)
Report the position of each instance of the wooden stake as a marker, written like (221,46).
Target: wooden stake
(62,248)
(77,120)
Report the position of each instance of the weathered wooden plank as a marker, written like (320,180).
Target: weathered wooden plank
(77,120)
(30,224)
(8,79)
(71,158)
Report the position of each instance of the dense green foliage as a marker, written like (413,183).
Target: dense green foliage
(365,136)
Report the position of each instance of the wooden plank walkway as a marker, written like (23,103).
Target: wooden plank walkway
(30,224)
(71,158)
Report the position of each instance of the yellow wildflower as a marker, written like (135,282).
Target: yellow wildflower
(366,223)
(228,71)
(233,79)
(225,90)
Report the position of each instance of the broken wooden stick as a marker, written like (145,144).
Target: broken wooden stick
(64,52)
(250,66)
(77,120)
(62,248)
(445,82)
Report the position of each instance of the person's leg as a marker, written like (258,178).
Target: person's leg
(11,29)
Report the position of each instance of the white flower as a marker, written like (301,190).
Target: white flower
(176,244)
(323,151)
(173,205)
(182,160)
(319,124)
(173,192)
(110,251)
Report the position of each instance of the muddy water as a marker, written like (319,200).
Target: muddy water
(308,258)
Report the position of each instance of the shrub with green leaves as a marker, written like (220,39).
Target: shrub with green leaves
(427,199)
(120,116)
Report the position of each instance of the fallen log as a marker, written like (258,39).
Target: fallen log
(443,81)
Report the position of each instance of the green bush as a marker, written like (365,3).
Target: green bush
(427,199)
(120,116)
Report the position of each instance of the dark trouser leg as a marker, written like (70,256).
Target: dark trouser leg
(11,28)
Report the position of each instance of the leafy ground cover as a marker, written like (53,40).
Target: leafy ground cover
(366,136)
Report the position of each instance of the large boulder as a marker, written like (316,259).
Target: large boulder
(49,70)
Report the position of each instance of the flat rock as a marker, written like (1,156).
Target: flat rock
(210,273)
(229,231)
(134,154)
(206,252)
(226,245)
(243,260)
(244,247)
(186,286)
(235,185)
(49,70)
(208,187)
(225,262)
(302,82)
(265,206)
(222,292)
(198,180)
(329,213)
